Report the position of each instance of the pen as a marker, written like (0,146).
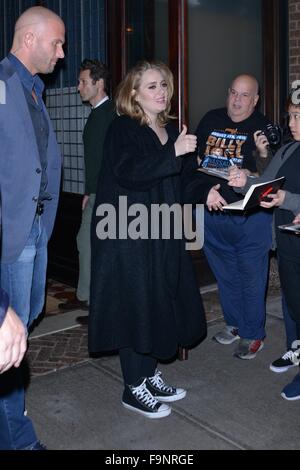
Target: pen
(268,191)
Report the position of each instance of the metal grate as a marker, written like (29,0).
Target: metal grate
(68,116)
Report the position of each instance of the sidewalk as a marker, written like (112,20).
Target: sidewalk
(231,403)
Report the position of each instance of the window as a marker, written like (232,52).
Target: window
(225,39)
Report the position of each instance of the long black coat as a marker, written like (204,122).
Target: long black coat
(143,292)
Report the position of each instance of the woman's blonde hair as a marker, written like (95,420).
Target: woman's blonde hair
(128,88)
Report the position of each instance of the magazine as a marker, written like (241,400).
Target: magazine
(217,172)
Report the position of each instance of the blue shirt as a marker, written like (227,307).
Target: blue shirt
(33,83)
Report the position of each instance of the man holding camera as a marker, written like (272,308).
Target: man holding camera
(267,141)
(236,245)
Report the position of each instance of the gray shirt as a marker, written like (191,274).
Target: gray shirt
(291,200)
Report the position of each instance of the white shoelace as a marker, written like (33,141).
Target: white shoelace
(142,393)
(288,355)
(157,381)
(294,356)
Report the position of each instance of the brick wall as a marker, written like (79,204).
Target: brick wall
(294,39)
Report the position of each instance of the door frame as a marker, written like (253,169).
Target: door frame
(275,57)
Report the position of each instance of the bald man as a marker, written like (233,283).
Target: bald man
(30,168)
(236,244)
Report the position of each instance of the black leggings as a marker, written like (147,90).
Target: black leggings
(136,366)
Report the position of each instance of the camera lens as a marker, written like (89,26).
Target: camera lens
(273,134)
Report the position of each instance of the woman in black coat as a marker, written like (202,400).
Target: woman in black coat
(144,298)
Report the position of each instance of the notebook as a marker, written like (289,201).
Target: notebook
(255,194)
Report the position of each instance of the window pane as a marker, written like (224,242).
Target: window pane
(146,30)
(225,39)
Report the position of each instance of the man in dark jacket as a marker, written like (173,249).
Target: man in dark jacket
(93,88)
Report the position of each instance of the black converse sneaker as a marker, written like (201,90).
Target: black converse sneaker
(140,400)
(285,362)
(162,391)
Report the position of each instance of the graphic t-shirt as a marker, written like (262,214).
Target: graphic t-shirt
(223,147)
(222,142)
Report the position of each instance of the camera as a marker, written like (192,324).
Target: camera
(274,134)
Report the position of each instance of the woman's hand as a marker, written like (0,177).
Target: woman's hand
(261,143)
(276,200)
(185,143)
(214,199)
(237,177)
(297,221)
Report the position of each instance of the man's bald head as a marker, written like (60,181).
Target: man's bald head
(249,79)
(35,16)
(38,39)
(242,97)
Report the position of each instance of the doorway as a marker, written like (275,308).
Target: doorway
(205,42)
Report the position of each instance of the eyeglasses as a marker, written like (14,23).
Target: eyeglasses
(294,115)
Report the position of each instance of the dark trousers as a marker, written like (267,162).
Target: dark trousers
(136,366)
(289,273)
(289,324)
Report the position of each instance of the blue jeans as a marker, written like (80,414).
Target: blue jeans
(16,430)
(24,281)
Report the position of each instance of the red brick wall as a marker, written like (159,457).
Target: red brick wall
(294,40)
